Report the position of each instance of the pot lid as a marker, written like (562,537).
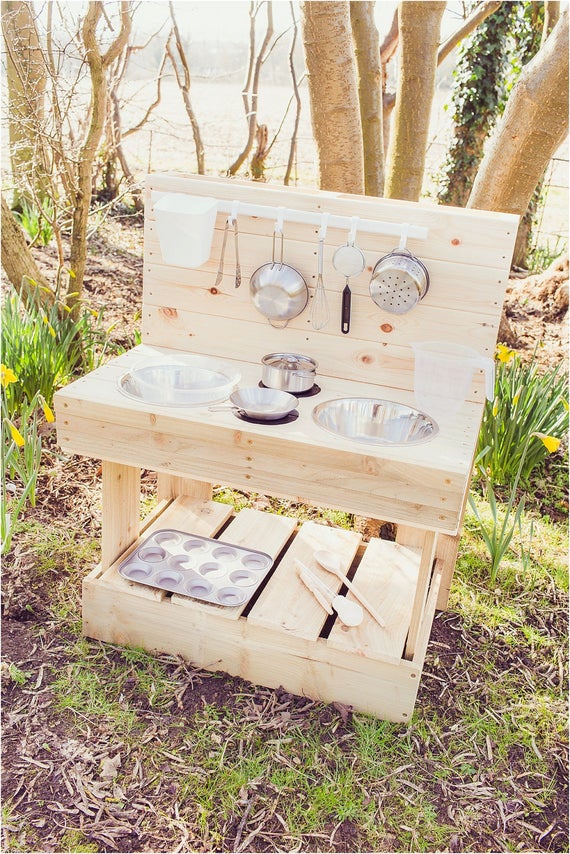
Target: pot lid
(290,362)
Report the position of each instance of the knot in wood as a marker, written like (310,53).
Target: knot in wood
(456,241)
(166,311)
(387,327)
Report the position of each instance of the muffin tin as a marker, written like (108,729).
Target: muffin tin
(202,568)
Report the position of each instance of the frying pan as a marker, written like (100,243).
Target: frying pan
(263,404)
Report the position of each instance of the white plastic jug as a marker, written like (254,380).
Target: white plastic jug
(443,374)
(185,226)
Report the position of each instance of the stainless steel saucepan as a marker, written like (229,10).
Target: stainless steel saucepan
(288,372)
(278,290)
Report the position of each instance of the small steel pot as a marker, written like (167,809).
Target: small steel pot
(399,281)
(288,372)
(278,290)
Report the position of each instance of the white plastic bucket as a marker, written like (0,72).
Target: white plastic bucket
(443,374)
(185,226)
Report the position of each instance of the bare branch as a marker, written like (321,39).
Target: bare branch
(479,14)
(252,114)
(297,96)
(390,44)
(156,101)
(185,88)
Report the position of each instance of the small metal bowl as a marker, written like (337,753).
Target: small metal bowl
(278,290)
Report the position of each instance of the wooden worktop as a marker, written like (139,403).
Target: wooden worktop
(423,485)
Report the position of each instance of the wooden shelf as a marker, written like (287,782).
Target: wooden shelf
(282,637)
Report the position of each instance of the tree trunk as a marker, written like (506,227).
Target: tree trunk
(97,66)
(419,24)
(367,51)
(18,262)
(333,92)
(388,49)
(26,83)
(477,97)
(534,124)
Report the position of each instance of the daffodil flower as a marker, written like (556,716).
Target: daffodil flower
(517,395)
(551,443)
(50,327)
(16,435)
(504,353)
(49,416)
(7,376)
(495,407)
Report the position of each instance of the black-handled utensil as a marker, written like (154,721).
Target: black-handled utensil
(349,261)
(345,314)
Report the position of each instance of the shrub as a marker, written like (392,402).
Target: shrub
(526,401)
(46,348)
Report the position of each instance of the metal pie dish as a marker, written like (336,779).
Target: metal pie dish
(183,380)
(375,421)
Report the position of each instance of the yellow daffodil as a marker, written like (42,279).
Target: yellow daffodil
(495,407)
(50,327)
(551,443)
(565,404)
(504,353)
(16,435)
(7,376)
(49,416)
(516,398)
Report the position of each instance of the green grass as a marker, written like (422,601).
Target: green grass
(488,730)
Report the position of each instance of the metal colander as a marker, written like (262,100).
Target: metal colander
(399,281)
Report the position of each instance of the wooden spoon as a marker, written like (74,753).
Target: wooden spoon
(331,562)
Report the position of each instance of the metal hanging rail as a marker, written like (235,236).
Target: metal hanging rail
(284,214)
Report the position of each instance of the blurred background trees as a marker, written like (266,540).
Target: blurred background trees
(86,81)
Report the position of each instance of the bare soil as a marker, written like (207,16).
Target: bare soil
(66,773)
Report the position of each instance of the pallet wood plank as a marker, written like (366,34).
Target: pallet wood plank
(397,491)
(253,529)
(286,604)
(387,576)
(255,653)
(470,235)
(121,509)
(186,513)
(421,591)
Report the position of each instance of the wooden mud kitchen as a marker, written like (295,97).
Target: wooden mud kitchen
(230,277)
